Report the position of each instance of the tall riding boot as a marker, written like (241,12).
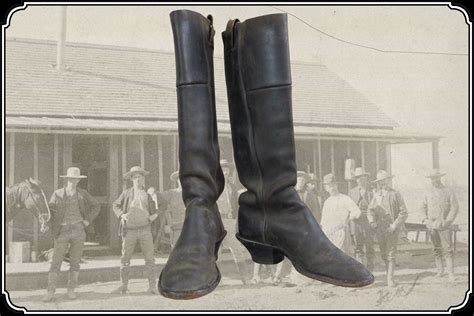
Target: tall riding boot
(390,272)
(72,284)
(450,268)
(124,277)
(273,221)
(52,284)
(191,270)
(439,267)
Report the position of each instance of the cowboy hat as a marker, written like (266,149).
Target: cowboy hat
(174,176)
(329,179)
(359,172)
(135,170)
(435,173)
(302,174)
(73,172)
(382,175)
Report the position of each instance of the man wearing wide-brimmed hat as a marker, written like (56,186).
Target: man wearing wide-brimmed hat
(136,210)
(439,209)
(72,210)
(363,233)
(303,180)
(387,214)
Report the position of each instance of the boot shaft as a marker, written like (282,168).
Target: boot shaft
(199,169)
(258,76)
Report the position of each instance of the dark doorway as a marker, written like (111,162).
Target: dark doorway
(91,155)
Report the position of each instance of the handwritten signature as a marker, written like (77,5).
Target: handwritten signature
(386,295)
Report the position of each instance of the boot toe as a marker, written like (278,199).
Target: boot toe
(337,268)
(188,282)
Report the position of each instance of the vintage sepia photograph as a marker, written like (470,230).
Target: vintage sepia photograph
(265,157)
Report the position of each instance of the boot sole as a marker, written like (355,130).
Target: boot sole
(266,254)
(189,295)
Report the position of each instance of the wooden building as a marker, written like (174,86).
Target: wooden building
(111,108)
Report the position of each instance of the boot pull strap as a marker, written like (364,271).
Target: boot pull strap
(230,29)
(211,28)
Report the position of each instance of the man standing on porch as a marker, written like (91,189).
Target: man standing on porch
(136,210)
(72,210)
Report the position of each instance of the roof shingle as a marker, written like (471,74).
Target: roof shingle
(116,82)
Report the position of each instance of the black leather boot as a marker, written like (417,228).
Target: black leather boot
(273,221)
(191,270)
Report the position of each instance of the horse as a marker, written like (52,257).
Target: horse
(28,195)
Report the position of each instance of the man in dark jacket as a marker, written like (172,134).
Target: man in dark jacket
(363,233)
(387,215)
(72,210)
(136,210)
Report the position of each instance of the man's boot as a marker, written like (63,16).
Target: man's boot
(191,270)
(273,221)
(124,277)
(52,283)
(450,268)
(72,284)
(439,267)
(390,272)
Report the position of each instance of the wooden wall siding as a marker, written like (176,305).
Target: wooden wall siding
(325,157)
(151,162)
(133,151)
(369,157)
(340,155)
(115,176)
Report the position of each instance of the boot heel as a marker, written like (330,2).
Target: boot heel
(262,253)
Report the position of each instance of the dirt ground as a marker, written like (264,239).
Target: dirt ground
(418,289)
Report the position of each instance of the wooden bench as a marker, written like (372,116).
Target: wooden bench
(417,227)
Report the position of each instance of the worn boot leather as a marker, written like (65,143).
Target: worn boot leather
(273,221)
(52,284)
(191,270)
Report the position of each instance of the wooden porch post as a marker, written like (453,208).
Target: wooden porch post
(320,165)
(67,153)
(114,176)
(332,156)
(348,151)
(160,163)
(377,158)
(124,159)
(56,162)
(11,181)
(388,157)
(435,153)
(34,252)
(362,154)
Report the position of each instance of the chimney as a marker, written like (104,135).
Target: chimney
(61,40)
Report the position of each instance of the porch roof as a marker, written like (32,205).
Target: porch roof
(66,125)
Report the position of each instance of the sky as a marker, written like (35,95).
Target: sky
(425,93)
